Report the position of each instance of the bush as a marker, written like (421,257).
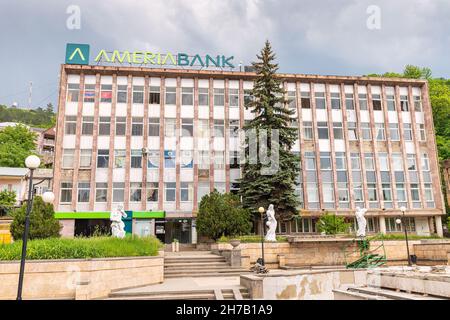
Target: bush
(82,248)
(222,215)
(7,201)
(331,224)
(249,239)
(42,221)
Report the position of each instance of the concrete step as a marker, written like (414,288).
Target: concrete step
(195,265)
(205,274)
(202,271)
(342,294)
(194,260)
(391,294)
(164,295)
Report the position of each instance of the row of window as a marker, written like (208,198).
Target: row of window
(187,97)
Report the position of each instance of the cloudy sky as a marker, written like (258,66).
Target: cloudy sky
(338,37)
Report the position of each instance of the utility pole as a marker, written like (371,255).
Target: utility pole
(29,96)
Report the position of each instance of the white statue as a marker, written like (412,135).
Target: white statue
(361,232)
(117,225)
(272,224)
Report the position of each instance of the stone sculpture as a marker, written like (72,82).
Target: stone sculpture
(117,225)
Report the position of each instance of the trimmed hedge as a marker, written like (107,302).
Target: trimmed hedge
(249,239)
(82,248)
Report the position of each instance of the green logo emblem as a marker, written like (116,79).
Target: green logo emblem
(77,53)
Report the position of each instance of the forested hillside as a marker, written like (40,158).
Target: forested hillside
(41,118)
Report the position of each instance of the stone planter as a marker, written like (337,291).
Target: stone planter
(235,243)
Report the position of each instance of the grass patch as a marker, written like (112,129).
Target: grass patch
(82,248)
(248,239)
(398,236)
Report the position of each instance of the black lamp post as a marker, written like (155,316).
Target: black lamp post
(403,223)
(31,162)
(261,211)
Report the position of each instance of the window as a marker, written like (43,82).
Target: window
(203,96)
(292,100)
(102,158)
(328,193)
(411,160)
(170,127)
(407,133)
(421,131)
(337,130)
(234,159)
(152,191)
(376,102)
(171,95)
(153,159)
(320,100)
(404,103)
(219,159)
(310,161)
(106,93)
(355,161)
(325,161)
(136,158)
(380,131)
(390,101)
(349,103)
(248,98)
(169,159)
(153,127)
(89,93)
(335,100)
(119,158)
(73,92)
(384,161)
(392,226)
(66,192)
(362,101)
(305,100)
(203,128)
(138,94)
(137,126)
(186,158)
(101,192)
(387,192)
(187,127)
(365,129)
(352,131)
(104,126)
(135,191)
(85,158)
(341,163)
(122,94)
(425,162)
(393,132)
(202,190)
(187,96)
(87,127)
(170,189)
(118,191)
(401,193)
(397,161)
(417,103)
(186,191)
(429,195)
(68,158)
(358,194)
(322,128)
(415,197)
(203,159)
(219,97)
(154,96)
(219,128)
(368,161)
(233,96)
(121,126)
(308,133)
(70,125)
(372,192)
(234,128)
(84,188)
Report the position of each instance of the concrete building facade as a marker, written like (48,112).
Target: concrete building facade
(157,140)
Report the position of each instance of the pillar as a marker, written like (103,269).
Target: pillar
(382,225)
(193,231)
(439,230)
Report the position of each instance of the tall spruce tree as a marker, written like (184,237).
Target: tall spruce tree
(269,106)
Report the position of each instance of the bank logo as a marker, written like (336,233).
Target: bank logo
(77,53)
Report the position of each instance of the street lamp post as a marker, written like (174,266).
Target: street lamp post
(403,222)
(261,211)
(31,162)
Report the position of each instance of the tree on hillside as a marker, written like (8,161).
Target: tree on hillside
(35,117)
(43,223)
(222,215)
(16,143)
(7,201)
(270,113)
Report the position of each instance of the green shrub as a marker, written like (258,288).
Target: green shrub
(7,201)
(332,224)
(400,236)
(42,221)
(82,248)
(222,215)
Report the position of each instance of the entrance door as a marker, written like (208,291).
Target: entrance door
(179,229)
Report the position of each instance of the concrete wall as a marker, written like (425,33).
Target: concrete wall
(432,253)
(79,279)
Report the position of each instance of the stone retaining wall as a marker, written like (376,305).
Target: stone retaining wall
(79,278)
(432,253)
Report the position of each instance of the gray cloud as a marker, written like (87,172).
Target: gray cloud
(318,37)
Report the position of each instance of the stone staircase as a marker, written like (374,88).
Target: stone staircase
(198,264)
(374,293)
(240,293)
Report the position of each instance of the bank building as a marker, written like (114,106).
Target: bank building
(157,139)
